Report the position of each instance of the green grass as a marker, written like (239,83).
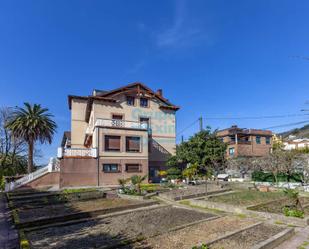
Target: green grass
(247,197)
(77,190)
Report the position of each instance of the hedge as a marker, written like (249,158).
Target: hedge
(260,176)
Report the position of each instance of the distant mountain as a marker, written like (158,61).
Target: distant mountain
(297,132)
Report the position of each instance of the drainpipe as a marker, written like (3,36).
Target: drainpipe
(98,155)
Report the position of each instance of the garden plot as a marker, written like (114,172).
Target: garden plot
(248,238)
(246,197)
(199,233)
(50,211)
(193,191)
(278,205)
(115,230)
(43,198)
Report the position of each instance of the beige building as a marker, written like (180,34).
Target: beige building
(116,134)
(246,142)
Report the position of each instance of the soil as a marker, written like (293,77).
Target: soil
(191,190)
(248,238)
(279,205)
(247,197)
(113,230)
(50,211)
(199,234)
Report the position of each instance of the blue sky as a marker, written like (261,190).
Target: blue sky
(213,58)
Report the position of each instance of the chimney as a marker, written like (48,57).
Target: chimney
(160,92)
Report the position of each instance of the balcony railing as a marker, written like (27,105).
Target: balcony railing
(239,142)
(117,123)
(77,152)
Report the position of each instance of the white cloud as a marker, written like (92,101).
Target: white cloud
(182,31)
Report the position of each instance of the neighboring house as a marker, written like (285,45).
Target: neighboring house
(116,134)
(246,142)
(295,144)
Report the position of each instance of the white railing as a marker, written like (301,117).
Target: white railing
(117,123)
(80,152)
(50,167)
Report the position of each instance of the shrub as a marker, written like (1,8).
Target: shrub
(173,173)
(203,246)
(24,243)
(2,183)
(293,212)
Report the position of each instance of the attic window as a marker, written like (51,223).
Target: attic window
(130,100)
(143,102)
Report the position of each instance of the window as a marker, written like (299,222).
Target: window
(110,168)
(231,151)
(112,143)
(267,140)
(133,144)
(143,102)
(145,121)
(258,139)
(130,100)
(117,116)
(117,120)
(131,168)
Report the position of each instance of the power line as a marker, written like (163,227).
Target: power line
(187,127)
(285,125)
(260,117)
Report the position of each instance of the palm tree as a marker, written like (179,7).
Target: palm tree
(32,123)
(137,181)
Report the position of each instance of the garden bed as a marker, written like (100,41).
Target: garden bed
(247,197)
(115,230)
(29,201)
(200,233)
(82,211)
(50,211)
(278,205)
(189,192)
(248,238)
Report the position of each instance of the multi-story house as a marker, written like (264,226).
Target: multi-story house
(246,142)
(116,134)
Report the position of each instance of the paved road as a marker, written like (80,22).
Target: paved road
(8,235)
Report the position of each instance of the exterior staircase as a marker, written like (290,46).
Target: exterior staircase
(52,166)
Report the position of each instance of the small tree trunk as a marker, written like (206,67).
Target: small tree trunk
(206,190)
(30,156)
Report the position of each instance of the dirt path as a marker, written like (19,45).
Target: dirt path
(8,235)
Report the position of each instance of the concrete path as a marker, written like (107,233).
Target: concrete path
(8,235)
(299,241)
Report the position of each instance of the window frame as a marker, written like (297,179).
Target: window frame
(133,164)
(105,144)
(140,102)
(140,144)
(267,140)
(232,149)
(118,170)
(258,139)
(132,97)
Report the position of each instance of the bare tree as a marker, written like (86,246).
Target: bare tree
(11,149)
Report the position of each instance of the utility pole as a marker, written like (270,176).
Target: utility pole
(201,123)
(181,138)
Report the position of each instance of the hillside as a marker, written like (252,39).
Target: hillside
(298,132)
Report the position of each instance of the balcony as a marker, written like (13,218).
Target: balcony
(77,152)
(239,142)
(122,124)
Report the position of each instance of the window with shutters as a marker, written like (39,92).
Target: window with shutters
(132,168)
(133,144)
(112,143)
(110,168)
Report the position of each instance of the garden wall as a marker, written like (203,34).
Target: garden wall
(47,180)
